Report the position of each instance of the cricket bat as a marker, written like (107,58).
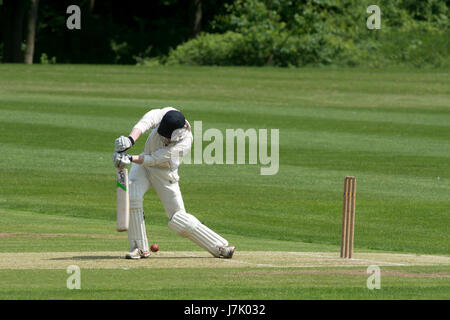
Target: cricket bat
(123,200)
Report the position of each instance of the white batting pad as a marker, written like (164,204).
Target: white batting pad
(188,226)
(137,235)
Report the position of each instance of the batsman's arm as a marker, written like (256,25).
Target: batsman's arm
(157,157)
(122,143)
(151,119)
(138,159)
(135,134)
(164,154)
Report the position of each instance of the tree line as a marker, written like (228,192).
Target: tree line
(228,32)
(113,31)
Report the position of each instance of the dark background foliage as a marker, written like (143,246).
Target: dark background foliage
(232,32)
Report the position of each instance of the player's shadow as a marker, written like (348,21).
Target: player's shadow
(123,258)
(86,258)
(180,257)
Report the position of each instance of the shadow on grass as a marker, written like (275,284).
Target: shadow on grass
(123,258)
(86,258)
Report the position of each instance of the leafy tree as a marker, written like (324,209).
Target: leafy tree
(296,33)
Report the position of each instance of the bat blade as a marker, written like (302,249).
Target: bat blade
(123,200)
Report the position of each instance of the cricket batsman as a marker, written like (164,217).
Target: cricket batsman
(169,140)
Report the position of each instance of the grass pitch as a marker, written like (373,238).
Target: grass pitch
(390,129)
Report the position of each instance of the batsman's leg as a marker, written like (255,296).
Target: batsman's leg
(188,226)
(184,223)
(137,235)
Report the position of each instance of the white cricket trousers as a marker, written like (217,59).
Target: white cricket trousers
(141,178)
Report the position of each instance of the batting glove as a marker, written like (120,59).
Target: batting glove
(120,160)
(122,144)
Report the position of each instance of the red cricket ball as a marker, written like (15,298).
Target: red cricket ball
(154,247)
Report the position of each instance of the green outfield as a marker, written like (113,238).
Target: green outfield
(389,128)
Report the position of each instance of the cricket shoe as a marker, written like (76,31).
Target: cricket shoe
(137,254)
(226,252)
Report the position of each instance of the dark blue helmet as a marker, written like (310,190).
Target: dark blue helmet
(171,121)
